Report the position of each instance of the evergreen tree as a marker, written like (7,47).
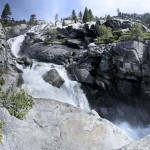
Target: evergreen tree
(108,17)
(91,17)
(118,12)
(80,15)
(63,23)
(74,17)
(56,19)
(86,15)
(6,13)
(32,20)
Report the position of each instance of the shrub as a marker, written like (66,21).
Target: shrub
(18,104)
(125,37)
(104,31)
(117,34)
(1,126)
(2,81)
(136,31)
(146,36)
(51,31)
(103,40)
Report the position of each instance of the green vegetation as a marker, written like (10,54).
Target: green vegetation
(51,31)
(74,16)
(136,31)
(56,19)
(6,13)
(2,81)
(91,17)
(105,31)
(63,23)
(117,34)
(146,36)
(1,127)
(80,15)
(52,36)
(88,15)
(18,104)
(5,16)
(146,19)
(32,20)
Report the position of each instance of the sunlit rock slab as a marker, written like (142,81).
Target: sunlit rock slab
(53,125)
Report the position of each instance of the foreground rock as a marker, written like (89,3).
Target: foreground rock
(54,125)
(53,77)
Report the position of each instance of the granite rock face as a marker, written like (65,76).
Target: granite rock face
(15,31)
(8,69)
(54,125)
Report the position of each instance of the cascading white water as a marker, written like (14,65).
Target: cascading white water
(35,86)
(69,92)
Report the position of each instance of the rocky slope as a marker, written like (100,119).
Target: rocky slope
(8,70)
(108,72)
(54,125)
(105,71)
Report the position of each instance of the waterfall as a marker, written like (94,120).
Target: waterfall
(35,86)
(70,92)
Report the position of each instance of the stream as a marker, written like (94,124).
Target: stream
(70,92)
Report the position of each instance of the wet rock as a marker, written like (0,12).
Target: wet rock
(51,53)
(53,77)
(80,75)
(25,61)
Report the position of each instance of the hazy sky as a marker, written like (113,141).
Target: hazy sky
(46,9)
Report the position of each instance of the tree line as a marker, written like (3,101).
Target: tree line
(6,19)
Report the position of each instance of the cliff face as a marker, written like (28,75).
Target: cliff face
(106,72)
(120,68)
(111,74)
(8,69)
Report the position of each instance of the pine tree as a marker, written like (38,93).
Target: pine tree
(118,12)
(6,13)
(74,17)
(91,17)
(56,18)
(32,20)
(86,15)
(63,23)
(80,15)
(108,17)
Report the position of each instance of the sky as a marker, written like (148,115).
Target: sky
(46,9)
